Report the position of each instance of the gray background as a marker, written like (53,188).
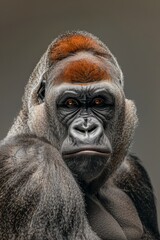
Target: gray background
(131,29)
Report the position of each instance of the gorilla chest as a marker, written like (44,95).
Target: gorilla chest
(113,216)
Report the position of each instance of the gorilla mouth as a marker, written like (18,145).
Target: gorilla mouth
(87,152)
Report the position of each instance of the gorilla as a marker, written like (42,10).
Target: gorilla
(66,172)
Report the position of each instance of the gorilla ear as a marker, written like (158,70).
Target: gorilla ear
(41,91)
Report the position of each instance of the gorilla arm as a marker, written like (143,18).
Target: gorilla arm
(39,198)
(132,179)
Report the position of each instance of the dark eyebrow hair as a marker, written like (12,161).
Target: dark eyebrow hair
(91,91)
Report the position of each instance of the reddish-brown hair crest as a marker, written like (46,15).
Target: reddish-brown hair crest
(83,71)
(69,44)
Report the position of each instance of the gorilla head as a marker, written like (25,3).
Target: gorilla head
(78,104)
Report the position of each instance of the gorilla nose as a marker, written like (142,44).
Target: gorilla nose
(86,130)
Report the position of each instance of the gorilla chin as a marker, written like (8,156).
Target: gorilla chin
(87,163)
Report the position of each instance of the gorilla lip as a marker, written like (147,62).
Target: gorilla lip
(87,152)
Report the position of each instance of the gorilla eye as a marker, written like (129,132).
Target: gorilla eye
(71,103)
(98,102)
(41,91)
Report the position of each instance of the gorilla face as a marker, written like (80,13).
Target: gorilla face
(83,100)
(85,112)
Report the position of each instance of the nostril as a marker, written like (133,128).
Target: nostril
(80,130)
(86,129)
(92,128)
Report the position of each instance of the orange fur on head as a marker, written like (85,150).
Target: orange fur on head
(83,71)
(73,43)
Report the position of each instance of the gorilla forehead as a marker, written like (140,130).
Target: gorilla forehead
(81,68)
